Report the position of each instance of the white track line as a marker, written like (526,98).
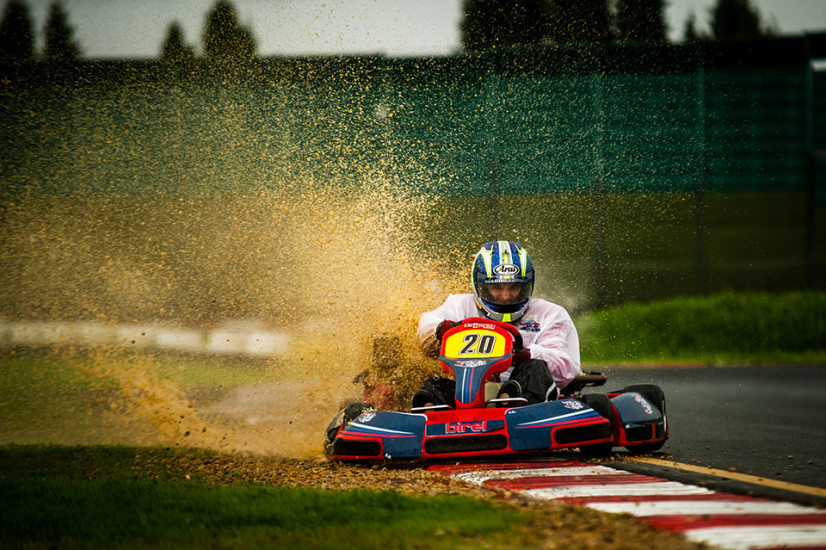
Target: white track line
(746,538)
(702,507)
(620,489)
(480,477)
(729,537)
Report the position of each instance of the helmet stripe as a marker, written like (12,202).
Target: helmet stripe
(523,260)
(487,258)
(505,256)
(504,252)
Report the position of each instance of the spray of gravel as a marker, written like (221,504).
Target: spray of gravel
(335,269)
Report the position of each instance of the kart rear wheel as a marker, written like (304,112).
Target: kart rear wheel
(654,395)
(600,403)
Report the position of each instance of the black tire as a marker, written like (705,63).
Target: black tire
(600,403)
(654,395)
(645,448)
(347,415)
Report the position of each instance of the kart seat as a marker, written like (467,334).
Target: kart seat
(583,380)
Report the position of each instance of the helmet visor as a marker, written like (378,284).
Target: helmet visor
(506,297)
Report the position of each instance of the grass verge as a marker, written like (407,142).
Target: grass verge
(157,497)
(729,327)
(82,497)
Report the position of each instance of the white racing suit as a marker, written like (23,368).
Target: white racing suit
(547,331)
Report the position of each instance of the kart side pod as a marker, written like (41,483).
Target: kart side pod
(390,435)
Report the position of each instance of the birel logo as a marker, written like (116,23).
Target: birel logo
(488,326)
(460,428)
(465,427)
(506,269)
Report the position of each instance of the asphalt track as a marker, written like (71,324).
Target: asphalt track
(753,423)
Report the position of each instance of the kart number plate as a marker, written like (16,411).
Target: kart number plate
(476,343)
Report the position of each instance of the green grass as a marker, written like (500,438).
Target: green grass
(67,397)
(48,502)
(722,328)
(139,513)
(73,370)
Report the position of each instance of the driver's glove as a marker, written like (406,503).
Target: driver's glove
(520,355)
(443,327)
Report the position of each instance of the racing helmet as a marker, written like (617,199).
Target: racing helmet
(502,262)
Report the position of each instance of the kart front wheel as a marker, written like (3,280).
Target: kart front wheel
(645,448)
(600,403)
(654,395)
(350,413)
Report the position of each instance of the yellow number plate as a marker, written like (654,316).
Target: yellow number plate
(474,343)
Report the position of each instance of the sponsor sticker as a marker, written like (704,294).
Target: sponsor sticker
(529,326)
(506,270)
(476,325)
(646,406)
(470,363)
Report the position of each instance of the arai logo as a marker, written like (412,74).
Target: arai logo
(506,269)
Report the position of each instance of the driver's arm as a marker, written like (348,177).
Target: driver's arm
(558,346)
(455,308)
(427,332)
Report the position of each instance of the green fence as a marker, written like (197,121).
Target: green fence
(631,172)
(727,117)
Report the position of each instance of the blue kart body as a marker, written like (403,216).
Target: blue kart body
(594,423)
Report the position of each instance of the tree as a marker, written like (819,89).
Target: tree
(224,38)
(490,24)
(580,21)
(737,19)
(16,37)
(58,36)
(174,48)
(641,20)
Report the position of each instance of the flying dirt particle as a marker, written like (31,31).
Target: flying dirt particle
(163,260)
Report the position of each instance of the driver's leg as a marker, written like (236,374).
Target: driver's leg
(535,380)
(436,391)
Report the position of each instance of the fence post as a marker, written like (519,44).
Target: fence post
(600,267)
(700,262)
(811,169)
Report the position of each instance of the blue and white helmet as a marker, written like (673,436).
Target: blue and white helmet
(502,262)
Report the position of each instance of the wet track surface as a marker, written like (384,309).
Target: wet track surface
(764,421)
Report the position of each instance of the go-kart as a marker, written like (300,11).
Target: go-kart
(474,352)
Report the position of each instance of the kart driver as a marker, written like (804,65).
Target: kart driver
(502,281)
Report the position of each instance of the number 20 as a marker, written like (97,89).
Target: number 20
(475,344)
